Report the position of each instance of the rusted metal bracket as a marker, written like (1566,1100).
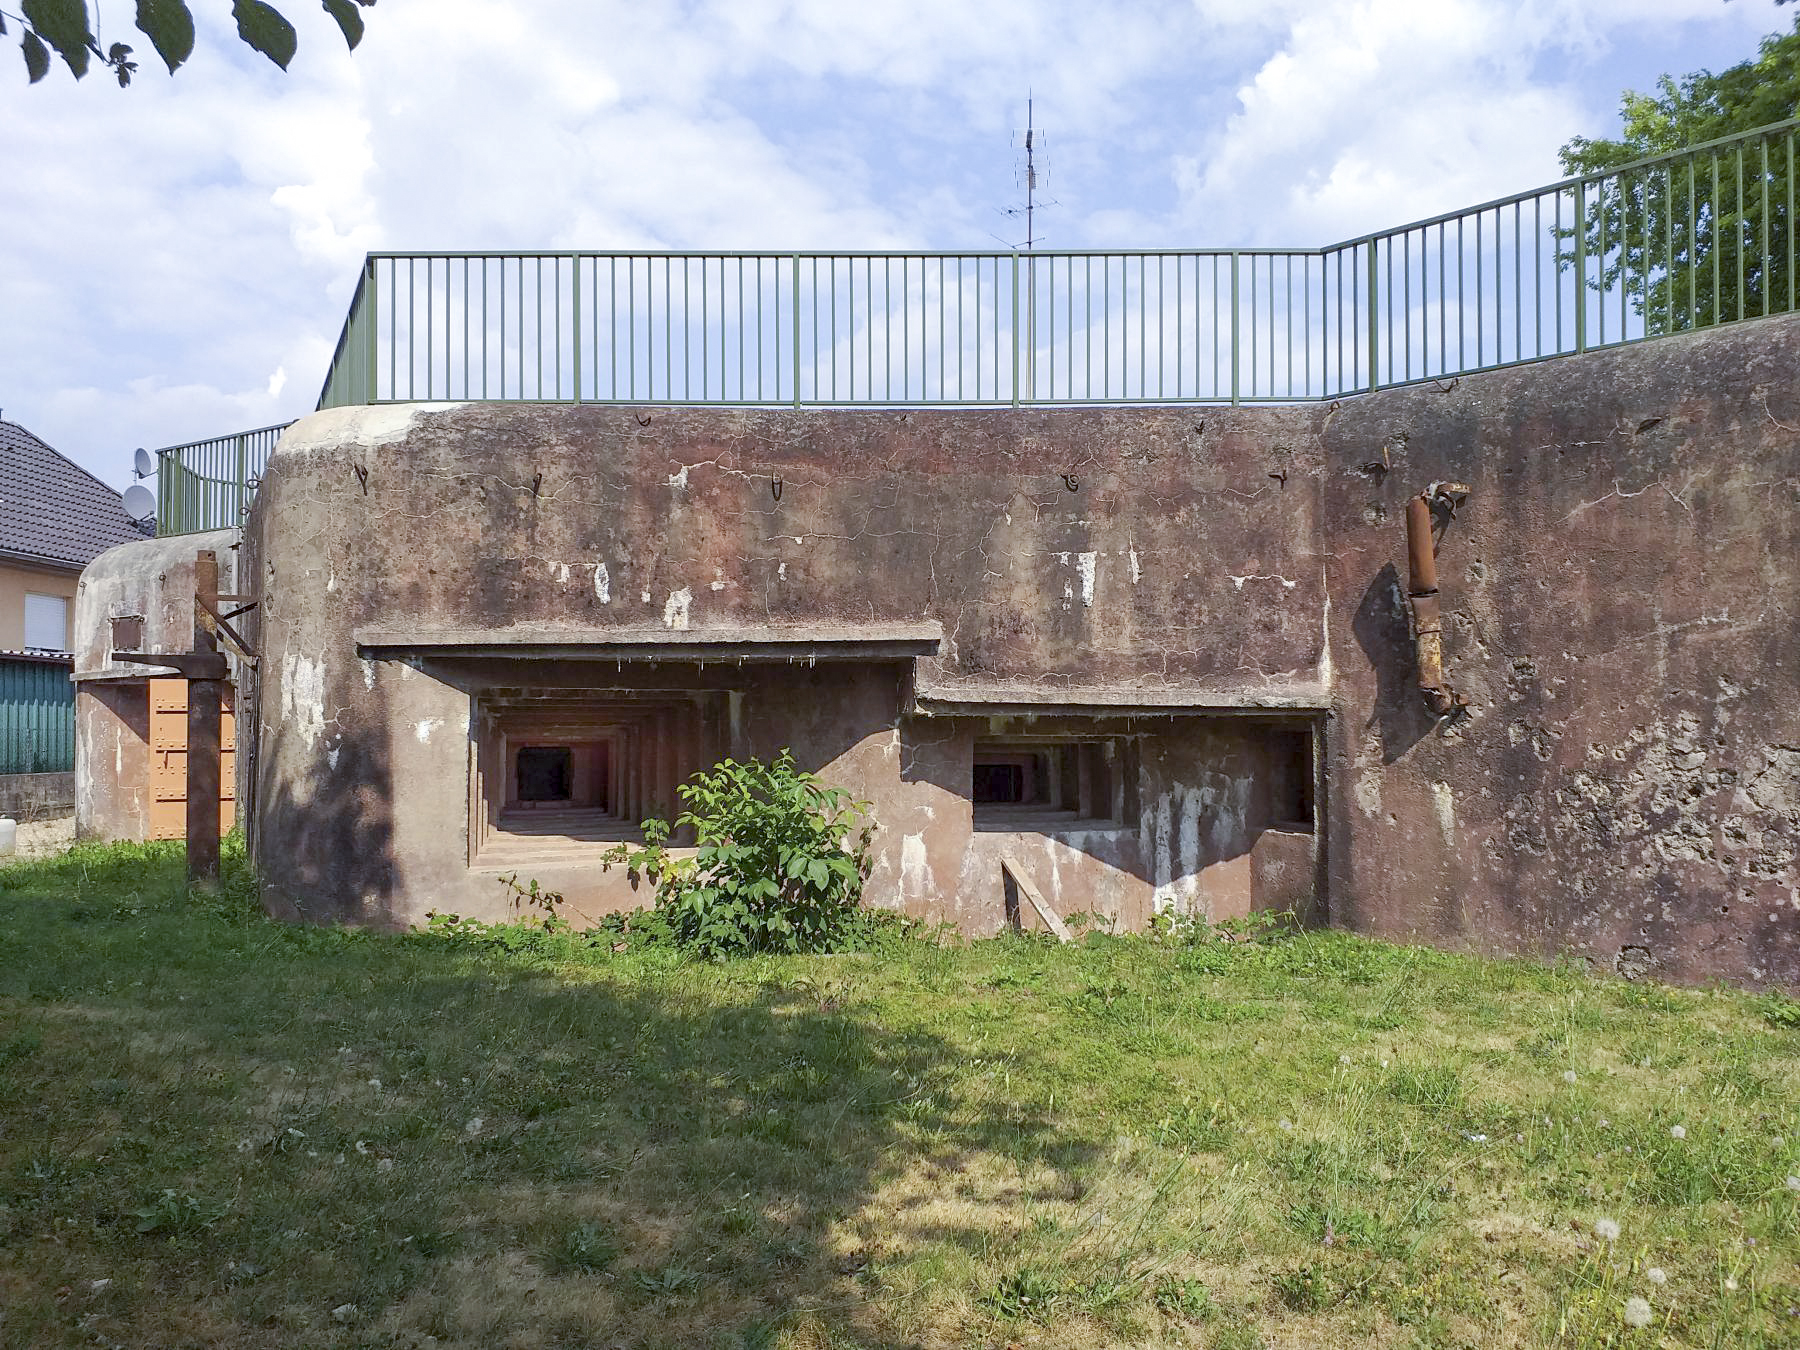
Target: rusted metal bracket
(1422,591)
(222,624)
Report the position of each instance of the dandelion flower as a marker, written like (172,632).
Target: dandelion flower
(1677,1132)
(1343,1059)
(1568,1075)
(1656,1275)
(1731,1282)
(474,1125)
(1607,1230)
(1284,1124)
(375,1083)
(362,1146)
(1793,1183)
(1637,1312)
(385,1165)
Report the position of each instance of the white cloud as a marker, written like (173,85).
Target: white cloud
(174,251)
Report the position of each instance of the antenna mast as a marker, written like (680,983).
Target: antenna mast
(1030,175)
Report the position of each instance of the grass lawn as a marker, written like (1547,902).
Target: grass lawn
(216,1130)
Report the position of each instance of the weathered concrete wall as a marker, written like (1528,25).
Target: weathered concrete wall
(1619,593)
(151,580)
(1619,601)
(37,796)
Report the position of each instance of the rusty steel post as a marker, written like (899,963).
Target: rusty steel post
(205,686)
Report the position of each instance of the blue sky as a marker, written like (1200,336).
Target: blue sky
(179,255)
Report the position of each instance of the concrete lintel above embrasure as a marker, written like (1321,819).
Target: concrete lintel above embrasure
(825,642)
(970,700)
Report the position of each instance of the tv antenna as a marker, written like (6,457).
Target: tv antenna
(1030,174)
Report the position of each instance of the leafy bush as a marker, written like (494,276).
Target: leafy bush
(780,863)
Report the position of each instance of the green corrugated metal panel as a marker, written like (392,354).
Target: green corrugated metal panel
(37,715)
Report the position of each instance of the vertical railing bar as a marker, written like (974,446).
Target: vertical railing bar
(1712,221)
(1737,234)
(1580,231)
(1287,309)
(1374,322)
(1406,296)
(1236,360)
(1518,284)
(1537,275)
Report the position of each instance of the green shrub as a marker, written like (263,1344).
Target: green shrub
(780,863)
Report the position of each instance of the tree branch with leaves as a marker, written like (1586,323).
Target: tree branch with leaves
(63,27)
(1703,239)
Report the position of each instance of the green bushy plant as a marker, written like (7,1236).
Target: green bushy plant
(779,866)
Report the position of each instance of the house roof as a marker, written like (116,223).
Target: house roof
(52,511)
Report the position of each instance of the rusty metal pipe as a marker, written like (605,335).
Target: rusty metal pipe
(1428,623)
(1421,555)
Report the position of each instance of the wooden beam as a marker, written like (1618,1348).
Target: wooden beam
(1030,892)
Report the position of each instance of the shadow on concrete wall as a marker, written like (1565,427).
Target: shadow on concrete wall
(1382,630)
(327,856)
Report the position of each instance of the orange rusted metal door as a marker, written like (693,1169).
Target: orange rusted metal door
(168,760)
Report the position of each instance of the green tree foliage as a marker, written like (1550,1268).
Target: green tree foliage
(1705,238)
(63,26)
(779,866)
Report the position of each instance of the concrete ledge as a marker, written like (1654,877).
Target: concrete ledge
(871,642)
(973,700)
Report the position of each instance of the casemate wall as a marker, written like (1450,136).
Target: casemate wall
(1114,660)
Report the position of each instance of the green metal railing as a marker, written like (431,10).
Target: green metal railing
(37,714)
(208,485)
(1667,244)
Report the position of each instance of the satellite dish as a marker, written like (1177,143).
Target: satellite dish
(144,464)
(139,504)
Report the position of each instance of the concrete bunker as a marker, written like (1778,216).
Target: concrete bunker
(1109,645)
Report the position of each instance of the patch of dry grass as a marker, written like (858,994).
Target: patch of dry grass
(217,1131)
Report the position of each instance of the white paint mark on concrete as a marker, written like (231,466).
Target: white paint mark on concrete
(1190,839)
(1068,594)
(1266,576)
(679,479)
(1162,863)
(330,579)
(331,758)
(718,582)
(1137,569)
(781,572)
(1085,564)
(562,574)
(675,612)
(303,696)
(424,729)
(1445,804)
(915,867)
(646,596)
(1325,636)
(368,672)
(602,583)
(1368,792)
